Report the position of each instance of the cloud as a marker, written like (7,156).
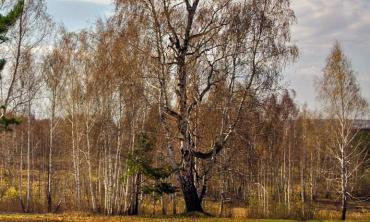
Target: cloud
(322,20)
(78,14)
(320,23)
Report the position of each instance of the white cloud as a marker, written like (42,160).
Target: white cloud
(322,20)
(320,23)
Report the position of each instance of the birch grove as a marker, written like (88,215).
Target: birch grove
(176,106)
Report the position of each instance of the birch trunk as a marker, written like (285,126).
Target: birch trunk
(91,187)
(28,190)
(51,138)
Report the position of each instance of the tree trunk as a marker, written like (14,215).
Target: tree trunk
(134,200)
(91,187)
(302,188)
(221,210)
(344,207)
(28,190)
(21,174)
(192,201)
(49,199)
(173,196)
(163,205)
(344,184)
(75,160)
(154,203)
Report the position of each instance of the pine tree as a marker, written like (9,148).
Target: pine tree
(140,162)
(6,22)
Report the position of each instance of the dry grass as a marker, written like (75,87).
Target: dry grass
(236,213)
(87,218)
(80,217)
(334,214)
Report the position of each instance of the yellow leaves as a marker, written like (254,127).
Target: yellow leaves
(11,193)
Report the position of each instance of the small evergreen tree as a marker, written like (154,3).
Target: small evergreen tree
(140,161)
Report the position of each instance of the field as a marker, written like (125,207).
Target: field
(86,218)
(328,212)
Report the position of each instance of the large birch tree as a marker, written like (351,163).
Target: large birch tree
(200,47)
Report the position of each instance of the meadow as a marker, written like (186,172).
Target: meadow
(76,217)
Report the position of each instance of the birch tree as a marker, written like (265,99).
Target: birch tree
(341,96)
(199,44)
(23,77)
(53,77)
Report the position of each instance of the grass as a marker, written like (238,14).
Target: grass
(236,214)
(75,217)
(333,214)
(86,218)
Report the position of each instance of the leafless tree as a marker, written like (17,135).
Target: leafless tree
(341,96)
(199,45)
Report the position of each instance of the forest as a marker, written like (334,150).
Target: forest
(175,110)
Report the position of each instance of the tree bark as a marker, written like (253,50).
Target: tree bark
(344,184)
(51,135)
(91,187)
(163,205)
(134,200)
(28,190)
(344,207)
(192,201)
(173,196)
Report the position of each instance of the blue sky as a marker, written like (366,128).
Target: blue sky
(319,24)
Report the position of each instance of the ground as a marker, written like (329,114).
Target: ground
(328,210)
(87,218)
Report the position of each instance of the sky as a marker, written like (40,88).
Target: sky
(319,24)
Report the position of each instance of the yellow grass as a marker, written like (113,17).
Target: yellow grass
(82,217)
(334,214)
(85,218)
